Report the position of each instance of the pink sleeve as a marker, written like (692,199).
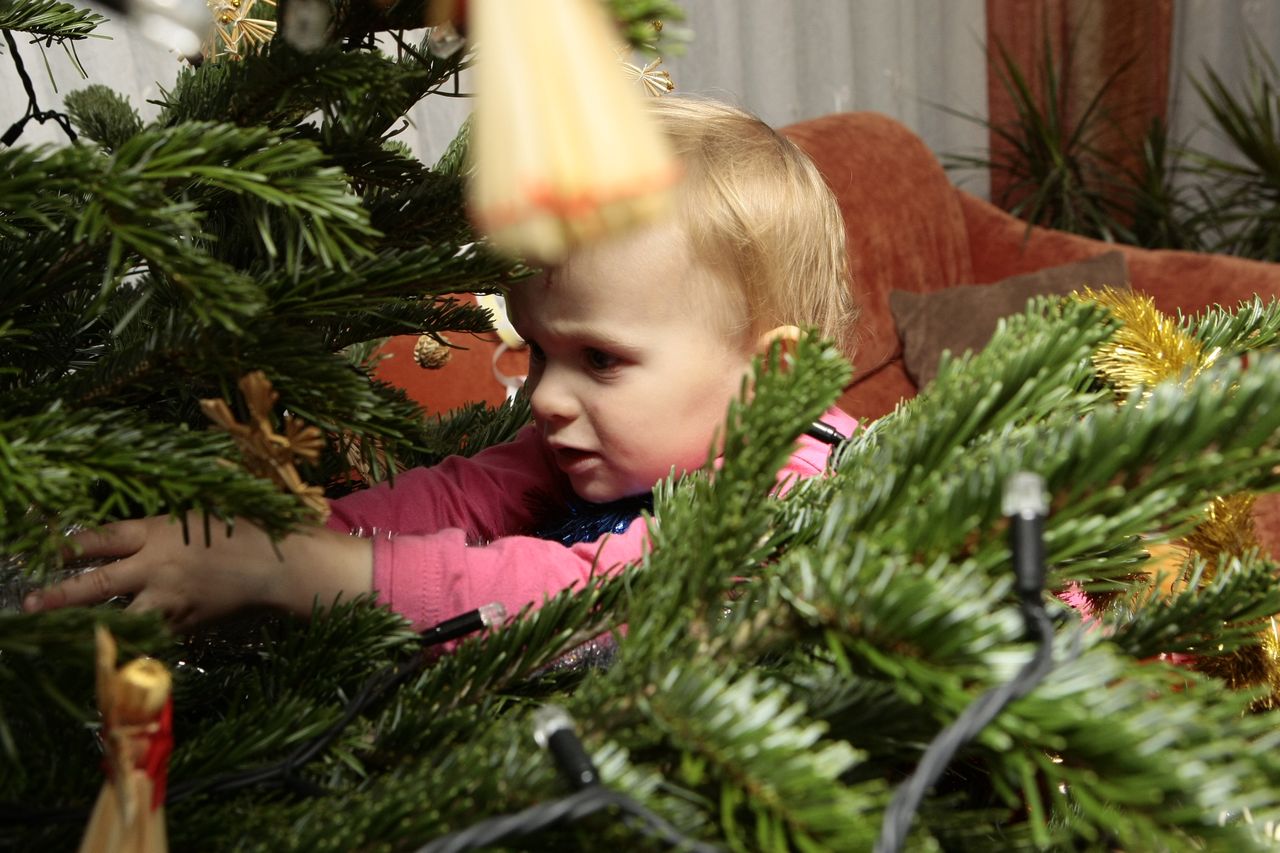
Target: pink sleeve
(430,573)
(809,459)
(489,495)
(428,579)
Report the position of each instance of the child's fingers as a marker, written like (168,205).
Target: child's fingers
(112,540)
(91,587)
(179,617)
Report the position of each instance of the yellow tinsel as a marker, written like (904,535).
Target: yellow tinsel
(1226,531)
(1250,666)
(1150,347)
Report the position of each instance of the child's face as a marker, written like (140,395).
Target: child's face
(627,377)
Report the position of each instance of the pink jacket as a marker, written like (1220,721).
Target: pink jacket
(447,539)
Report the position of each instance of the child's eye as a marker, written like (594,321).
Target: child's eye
(599,360)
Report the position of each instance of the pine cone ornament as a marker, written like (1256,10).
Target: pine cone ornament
(432,352)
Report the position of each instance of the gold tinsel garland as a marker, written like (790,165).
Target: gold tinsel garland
(1148,349)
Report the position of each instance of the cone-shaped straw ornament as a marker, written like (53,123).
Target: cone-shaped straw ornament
(562,149)
(137,736)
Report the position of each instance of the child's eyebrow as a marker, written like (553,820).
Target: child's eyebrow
(596,337)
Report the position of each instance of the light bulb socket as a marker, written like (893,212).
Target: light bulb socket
(553,730)
(463,624)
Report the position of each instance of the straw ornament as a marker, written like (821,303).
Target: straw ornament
(137,736)
(653,82)
(235,31)
(267,453)
(563,150)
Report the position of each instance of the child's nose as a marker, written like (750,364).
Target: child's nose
(551,398)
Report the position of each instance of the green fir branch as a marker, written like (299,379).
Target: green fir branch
(388,317)
(731,728)
(102,115)
(1035,365)
(1130,774)
(454,161)
(48,746)
(48,18)
(468,430)
(432,205)
(364,92)
(428,270)
(64,467)
(1207,616)
(713,529)
(1251,325)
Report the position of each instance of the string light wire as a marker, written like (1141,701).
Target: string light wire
(1025,505)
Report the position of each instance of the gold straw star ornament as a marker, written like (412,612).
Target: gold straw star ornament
(653,82)
(267,453)
(235,31)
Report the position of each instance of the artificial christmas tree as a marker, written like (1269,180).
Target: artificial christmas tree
(785,663)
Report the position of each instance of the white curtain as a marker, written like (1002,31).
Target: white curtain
(784,61)
(1216,34)
(794,60)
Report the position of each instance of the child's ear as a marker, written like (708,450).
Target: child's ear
(787,334)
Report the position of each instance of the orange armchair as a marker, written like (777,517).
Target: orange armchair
(909,228)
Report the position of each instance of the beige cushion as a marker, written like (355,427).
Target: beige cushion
(963,318)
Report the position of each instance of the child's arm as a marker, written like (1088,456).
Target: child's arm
(428,579)
(194,582)
(487,495)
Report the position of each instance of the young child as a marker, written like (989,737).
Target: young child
(637,346)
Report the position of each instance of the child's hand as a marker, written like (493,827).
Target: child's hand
(194,582)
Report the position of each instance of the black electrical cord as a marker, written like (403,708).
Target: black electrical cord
(1024,504)
(33,109)
(826,433)
(553,730)
(575,806)
(285,772)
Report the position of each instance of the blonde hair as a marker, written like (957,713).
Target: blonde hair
(757,211)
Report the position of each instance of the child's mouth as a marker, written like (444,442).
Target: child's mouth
(569,458)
